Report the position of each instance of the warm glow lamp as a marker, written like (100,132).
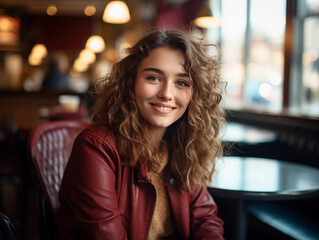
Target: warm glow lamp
(95,43)
(116,12)
(87,55)
(80,66)
(52,10)
(34,60)
(90,10)
(39,50)
(205,18)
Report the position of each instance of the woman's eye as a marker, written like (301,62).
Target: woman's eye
(182,84)
(153,78)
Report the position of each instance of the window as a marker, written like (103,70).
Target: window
(252,44)
(234,18)
(265,54)
(255,40)
(305,67)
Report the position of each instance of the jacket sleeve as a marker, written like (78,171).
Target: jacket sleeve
(204,222)
(88,198)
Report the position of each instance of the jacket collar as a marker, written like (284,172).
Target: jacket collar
(142,171)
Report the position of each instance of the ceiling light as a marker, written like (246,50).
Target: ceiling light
(95,43)
(116,12)
(34,60)
(39,50)
(87,55)
(90,10)
(80,66)
(52,10)
(205,18)
(208,22)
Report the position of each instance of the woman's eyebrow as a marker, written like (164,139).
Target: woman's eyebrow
(163,73)
(153,70)
(182,75)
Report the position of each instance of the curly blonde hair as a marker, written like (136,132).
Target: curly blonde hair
(193,141)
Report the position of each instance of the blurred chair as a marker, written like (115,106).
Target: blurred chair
(7,228)
(50,146)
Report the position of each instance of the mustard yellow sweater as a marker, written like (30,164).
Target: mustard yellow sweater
(162,224)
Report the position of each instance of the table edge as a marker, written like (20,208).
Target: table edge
(251,195)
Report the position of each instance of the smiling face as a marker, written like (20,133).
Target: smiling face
(163,89)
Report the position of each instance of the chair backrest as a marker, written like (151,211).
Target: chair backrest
(7,228)
(50,145)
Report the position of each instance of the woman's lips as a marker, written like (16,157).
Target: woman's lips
(162,108)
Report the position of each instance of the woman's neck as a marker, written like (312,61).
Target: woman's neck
(159,157)
(155,137)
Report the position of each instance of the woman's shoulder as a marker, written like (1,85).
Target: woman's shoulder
(99,133)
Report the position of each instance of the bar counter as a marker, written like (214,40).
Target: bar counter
(24,106)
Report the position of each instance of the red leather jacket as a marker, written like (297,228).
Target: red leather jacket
(102,199)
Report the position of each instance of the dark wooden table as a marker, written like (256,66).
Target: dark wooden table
(244,178)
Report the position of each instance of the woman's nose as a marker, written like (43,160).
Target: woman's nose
(166,91)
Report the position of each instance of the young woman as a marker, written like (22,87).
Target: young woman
(140,170)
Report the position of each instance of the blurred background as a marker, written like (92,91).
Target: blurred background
(269,58)
(269,48)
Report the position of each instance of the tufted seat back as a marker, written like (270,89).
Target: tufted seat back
(50,145)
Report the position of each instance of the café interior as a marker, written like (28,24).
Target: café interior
(268,186)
